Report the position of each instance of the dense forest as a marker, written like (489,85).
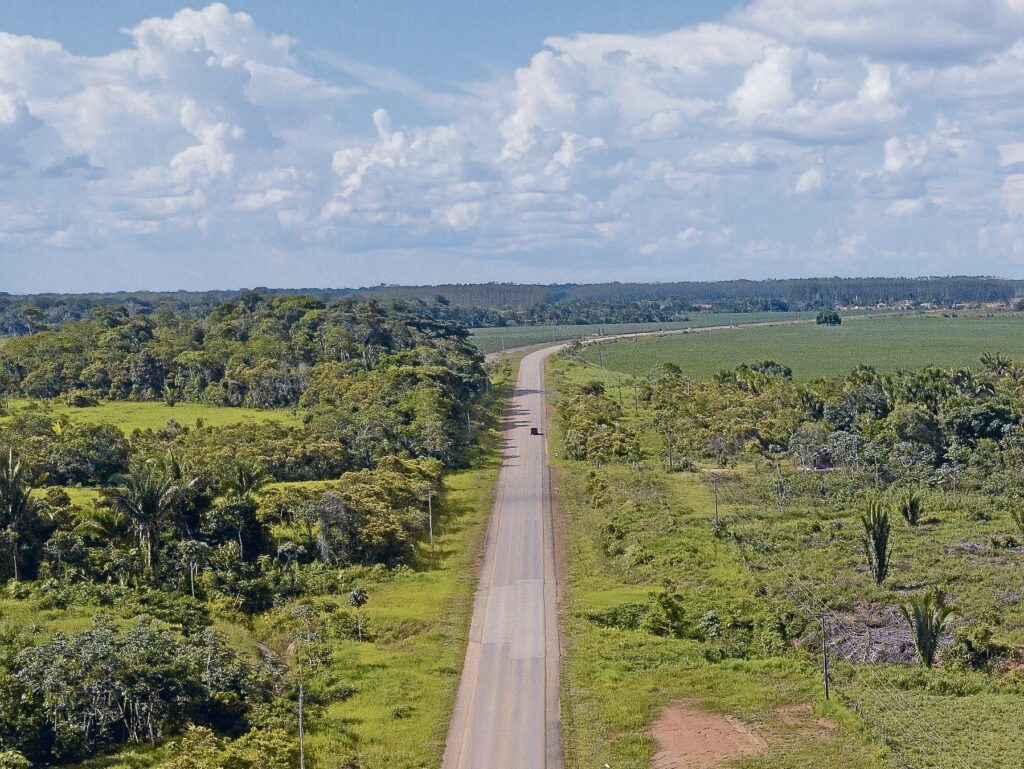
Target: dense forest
(505,304)
(168,533)
(792,294)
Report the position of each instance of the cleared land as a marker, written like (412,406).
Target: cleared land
(153,415)
(629,535)
(812,351)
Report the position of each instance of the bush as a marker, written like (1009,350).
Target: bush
(828,317)
(973,648)
(80,400)
(627,616)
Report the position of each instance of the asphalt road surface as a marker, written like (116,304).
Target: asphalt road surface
(507,709)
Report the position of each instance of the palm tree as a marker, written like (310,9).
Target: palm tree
(911,507)
(926,614)
(876,540)
(357,599)
(996,364)
(1018,519)
(245,479)
(18,508)
(145,495)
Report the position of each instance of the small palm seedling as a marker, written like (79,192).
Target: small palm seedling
(927,614)
(1018,520)
(911,506)
(357,599)
(877,540)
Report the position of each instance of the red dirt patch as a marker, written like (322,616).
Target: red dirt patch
(802,717)
(689,738)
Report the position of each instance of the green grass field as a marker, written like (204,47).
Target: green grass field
(497,339)
(811,351)
(153,415)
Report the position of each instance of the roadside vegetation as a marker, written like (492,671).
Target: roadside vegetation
(723,531)
(210,526)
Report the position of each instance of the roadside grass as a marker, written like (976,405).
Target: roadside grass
(154,415)
(887,343)
(405,681)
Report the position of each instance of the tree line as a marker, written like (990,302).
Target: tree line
(502,304)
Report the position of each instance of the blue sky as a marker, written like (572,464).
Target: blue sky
(154,145)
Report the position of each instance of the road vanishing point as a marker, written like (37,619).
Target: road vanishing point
(507,708)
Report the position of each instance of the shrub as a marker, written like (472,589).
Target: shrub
(973,648)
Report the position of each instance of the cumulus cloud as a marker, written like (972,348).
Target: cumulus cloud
(206,152)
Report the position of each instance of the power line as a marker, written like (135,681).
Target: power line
(892,695)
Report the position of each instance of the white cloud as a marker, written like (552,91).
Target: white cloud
(767,86)
(808,181)
(698,152)
(906,207)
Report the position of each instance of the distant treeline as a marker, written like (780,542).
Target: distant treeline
(807,293)
(503,304)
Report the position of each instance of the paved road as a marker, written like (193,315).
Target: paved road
(507,708)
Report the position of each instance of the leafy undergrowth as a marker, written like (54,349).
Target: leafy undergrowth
(674,618)
(667,605)
(404,682)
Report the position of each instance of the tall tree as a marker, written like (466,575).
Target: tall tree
(19,511)
(146,494)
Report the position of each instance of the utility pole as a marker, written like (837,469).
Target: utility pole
(824,655)
(714,482)
(302,730)
(430,515)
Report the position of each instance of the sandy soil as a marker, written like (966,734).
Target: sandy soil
(689,738)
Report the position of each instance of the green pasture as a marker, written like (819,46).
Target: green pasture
(154,415)
(509,337)
(887,343)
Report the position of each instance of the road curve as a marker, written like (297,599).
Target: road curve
(507,708)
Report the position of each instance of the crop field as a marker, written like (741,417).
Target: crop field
(812,351)
(154,415)
(497,339)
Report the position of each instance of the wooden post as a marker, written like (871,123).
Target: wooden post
(302,726)
(824,656)
(430,515)
(714,481)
